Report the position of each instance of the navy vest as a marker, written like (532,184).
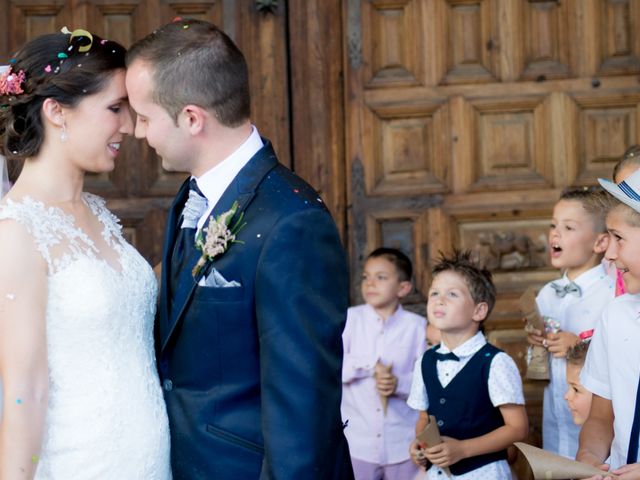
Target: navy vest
(463,408)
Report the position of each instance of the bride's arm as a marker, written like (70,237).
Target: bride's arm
(23,352)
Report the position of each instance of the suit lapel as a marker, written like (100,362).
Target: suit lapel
(169,239)
(242,189)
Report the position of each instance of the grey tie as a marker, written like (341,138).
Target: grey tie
(195,207)
(571,287)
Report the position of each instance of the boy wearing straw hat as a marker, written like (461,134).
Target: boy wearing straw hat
(612,367)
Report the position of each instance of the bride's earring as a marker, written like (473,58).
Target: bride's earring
(63,133)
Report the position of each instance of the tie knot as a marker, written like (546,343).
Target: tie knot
(563,290)
(193,186)
(195,207)
(447,356)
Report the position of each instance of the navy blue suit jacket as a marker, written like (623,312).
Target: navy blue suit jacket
(252,374)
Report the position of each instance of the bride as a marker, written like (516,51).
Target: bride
(81,394)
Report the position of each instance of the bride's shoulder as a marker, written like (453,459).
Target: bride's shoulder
(17,243)
(22,209)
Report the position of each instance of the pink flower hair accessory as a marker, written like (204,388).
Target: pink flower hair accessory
(11,82)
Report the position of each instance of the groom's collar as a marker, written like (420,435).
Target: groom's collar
(215,181)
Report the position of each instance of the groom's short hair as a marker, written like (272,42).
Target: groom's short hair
(196,63)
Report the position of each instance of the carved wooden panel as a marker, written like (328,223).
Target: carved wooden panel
(546,40)
(404,230)
(505,143)
(469,40)
(392,35)
(606,125)
(29,18)
(618,23)
(412,148)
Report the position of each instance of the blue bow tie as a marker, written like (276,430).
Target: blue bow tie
(570,287)
(447,356)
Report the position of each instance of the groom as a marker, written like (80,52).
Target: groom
(248,343)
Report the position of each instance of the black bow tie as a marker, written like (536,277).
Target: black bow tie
(447,356)
(570,287)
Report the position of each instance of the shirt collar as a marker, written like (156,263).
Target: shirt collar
(215,181)
(468,348)
(392,318)
(586,279)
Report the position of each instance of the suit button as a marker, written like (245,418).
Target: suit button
(443,401)
(168,385)
(440,423)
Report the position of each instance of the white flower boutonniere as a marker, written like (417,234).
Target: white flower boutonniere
(217,236)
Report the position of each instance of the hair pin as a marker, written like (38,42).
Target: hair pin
(63,55)
(79,32)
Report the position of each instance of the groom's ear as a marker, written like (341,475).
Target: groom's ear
(193,118)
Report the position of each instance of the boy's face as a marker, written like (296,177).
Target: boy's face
(577,397)
(573,238)
(450,307)
(381,284)
(624,248)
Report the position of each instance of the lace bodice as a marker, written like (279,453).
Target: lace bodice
(106,417)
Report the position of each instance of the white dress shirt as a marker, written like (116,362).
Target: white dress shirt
(574,314)
(214,182)
(612,367)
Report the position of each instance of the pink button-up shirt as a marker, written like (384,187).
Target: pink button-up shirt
(400,341)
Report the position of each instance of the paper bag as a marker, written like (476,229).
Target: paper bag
(549,466)
(384,400)
(430,437)
(538,367)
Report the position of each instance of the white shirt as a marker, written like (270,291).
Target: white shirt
(573,314)
(505,387)
(214,182)
(612,368)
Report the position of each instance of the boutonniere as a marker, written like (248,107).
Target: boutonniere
(217,236)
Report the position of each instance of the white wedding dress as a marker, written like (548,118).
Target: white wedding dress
(106,417)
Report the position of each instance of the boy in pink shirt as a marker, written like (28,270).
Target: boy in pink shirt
(381,342)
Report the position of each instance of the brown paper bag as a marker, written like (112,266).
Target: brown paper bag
(538,368)
(430,437)
(549,466)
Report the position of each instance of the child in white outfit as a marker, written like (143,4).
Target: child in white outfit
(571,304)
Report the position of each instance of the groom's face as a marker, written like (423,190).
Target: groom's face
(153,122)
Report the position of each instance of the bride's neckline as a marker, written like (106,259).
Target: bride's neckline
(114,258)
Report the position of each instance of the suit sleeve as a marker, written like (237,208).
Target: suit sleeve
(301,305)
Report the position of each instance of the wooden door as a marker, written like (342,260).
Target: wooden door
(139,190)
(466,118)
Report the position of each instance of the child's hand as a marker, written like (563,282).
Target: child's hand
(386,384)
(628,472)
(534,336)
(559,343)
(417,454)
(447,453)
(592,460)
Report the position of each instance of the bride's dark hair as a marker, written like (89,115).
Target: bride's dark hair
(54,67)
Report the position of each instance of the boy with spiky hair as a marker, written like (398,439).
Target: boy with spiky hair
(476,429)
